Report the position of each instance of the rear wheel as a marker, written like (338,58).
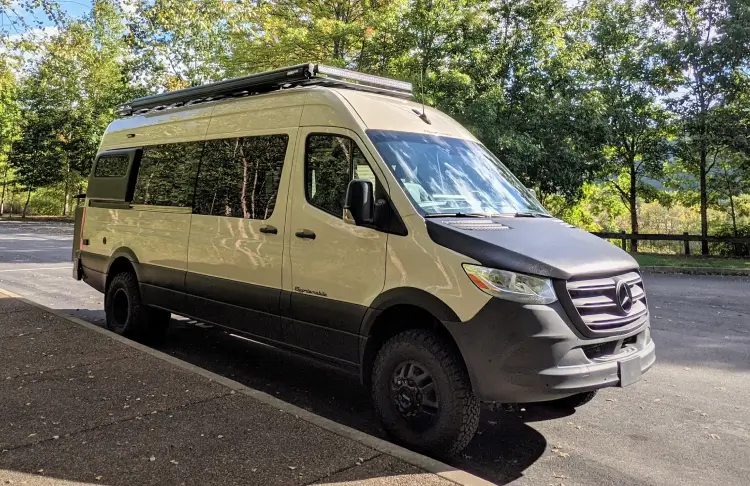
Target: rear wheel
(574,401)
(422,393)
(127,315)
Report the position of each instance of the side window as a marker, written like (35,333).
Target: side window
(167,173)
(112,166)
(239,177)
(331,161)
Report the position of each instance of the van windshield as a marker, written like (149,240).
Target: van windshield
(444,175)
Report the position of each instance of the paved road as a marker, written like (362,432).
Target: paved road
(686,422)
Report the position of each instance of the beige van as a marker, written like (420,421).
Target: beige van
(322,211)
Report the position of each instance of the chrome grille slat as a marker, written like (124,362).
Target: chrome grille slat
(638,292)
(596,304)
(591,284)
(596,301)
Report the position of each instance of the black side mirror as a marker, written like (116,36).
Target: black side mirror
(359,205)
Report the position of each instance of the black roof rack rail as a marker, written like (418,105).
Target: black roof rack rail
(299,75)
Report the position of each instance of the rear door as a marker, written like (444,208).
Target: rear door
(337,269)
(237,232)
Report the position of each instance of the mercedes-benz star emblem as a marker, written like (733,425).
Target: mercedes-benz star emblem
(624,296)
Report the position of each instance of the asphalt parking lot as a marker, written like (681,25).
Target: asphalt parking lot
(686,422)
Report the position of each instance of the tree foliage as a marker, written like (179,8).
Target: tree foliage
(608,104)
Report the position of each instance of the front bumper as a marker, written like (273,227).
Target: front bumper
(528,353)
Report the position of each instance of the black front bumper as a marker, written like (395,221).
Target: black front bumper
(518,353)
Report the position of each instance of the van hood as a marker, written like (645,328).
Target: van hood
(547,247)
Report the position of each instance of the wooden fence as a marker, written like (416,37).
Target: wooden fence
(685,237)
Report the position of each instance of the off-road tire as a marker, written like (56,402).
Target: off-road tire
(458,413)
(574,401)
(126,314)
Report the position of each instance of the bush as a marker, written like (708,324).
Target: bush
(740,250)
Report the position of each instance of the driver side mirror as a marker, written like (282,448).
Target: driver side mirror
(359,206)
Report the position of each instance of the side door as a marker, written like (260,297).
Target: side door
(237,233)
(337,269)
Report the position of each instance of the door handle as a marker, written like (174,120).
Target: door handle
(305,233)
(271,230)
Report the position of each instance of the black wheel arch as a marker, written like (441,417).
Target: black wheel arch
(122,259)
(401,309)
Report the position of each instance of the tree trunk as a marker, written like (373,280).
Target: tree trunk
(12,198)
(67,187)
(704,201)
(734,216)
(26,206)
(2,197)
(633,208)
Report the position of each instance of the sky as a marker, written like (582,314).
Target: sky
(8,24)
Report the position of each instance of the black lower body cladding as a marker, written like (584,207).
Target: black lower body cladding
(518,353)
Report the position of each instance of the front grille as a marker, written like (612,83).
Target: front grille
(595,301)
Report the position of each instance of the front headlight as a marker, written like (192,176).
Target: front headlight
(511,286)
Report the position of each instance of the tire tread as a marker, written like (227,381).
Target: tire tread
(463,395)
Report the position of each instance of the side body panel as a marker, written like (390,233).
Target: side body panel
(157,237)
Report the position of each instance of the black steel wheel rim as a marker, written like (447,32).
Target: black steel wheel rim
(414,394)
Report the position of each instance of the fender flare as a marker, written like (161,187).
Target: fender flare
(125,252)
(406,296)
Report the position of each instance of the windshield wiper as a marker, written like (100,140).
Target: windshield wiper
(531,215)
(457,215)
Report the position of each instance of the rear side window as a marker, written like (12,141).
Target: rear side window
(239,177)
(331,162)
(167,173)
(112,166)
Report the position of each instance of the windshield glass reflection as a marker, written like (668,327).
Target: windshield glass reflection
(445,175)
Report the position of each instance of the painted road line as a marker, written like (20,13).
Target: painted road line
(65,267)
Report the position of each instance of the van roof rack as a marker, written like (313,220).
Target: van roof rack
(299,75)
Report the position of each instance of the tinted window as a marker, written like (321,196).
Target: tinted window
(112,166)
(239,177)
(167,174)
(330,163)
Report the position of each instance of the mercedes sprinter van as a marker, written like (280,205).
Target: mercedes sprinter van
(322,211)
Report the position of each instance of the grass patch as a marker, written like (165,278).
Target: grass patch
(657,260)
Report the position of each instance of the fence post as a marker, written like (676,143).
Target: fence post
(687,245)
(624,247)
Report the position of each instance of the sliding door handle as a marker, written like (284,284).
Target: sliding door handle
(305,233)
(268,229)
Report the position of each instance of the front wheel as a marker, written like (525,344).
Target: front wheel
(127,315)
(422,393)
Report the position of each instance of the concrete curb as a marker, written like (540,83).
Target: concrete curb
(428,464)
(737,272)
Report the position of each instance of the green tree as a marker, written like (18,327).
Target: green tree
(33,156)
(176,44)
(69,97)
(629,78)
(730,179)
(532,106)
(704,51)
(272,34)
(9,119)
